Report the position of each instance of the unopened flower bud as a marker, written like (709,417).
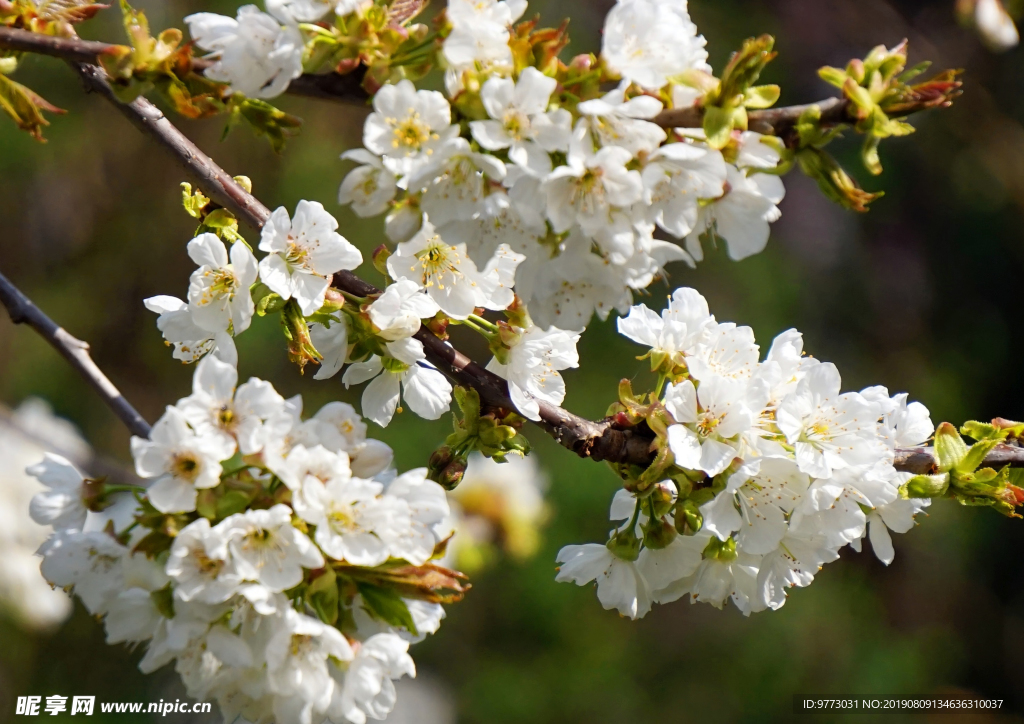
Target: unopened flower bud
(688,518)
(724,551)
(94,494)
(855,69)
(380,259)
(625,544)
(658,533)
(662,499)
(438,461)
(452,475)
(438,325)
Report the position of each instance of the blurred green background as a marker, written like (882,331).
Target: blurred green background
(921,294)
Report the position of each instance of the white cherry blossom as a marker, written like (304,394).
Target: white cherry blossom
(403,374)
(199,566)
(711,417)
(829,430)
(190,341)
(620,584)
(587,191)
(450,277)
(455,181)
(304,251)
(678,331)
(369,188)
(367,690)
(534,361)
(267,549)
(91,562)
(216,410)
(407,125)
(614,121)
(648,41)
(353,522)
(331,342)
(218,292)
(254,53)
(519,120)
(398,311)
(179,461)
(741,216)
(61,504)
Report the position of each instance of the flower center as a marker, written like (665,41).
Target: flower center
(208,566)
(223,283)
(437,262)
(301,643)
(296,254)
(226,417)
(707,423)
(185,466)
(819,429)
(411,133)
(516,124)
(342,519)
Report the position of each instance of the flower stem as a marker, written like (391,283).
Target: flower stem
(489,326)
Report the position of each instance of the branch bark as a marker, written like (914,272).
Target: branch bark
(348,88)
(75,351)
(599,440)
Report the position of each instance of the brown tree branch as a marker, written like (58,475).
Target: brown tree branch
(348,88)
(75,351)
(599,440)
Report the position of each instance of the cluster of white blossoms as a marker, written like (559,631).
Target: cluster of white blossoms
(258,555)
(303,253)
(780,469)
(525,187)
(560,200)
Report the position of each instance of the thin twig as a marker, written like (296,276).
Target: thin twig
(91,463)
(599,440)
(75,351)
(348,88)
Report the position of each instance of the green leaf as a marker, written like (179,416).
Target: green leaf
(975,456)
(869,155)
(910,73)
(833,76)
(926,486)
(153,544)
(194,202)
(833,181)
(25,107)
(982,431)
(387,606)
(265,120)
(718,124)
(163,599)
(233,501)
(950,448)
(322,595)
(762,96)
(269,304)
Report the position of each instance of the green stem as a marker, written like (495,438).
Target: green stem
(352,297)
(662,378)
(490,326)
(122,488)
(477,328)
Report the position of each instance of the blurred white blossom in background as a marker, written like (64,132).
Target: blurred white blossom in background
(25,434)
(497,508)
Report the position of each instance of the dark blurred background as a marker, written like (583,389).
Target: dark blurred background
(920,294)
